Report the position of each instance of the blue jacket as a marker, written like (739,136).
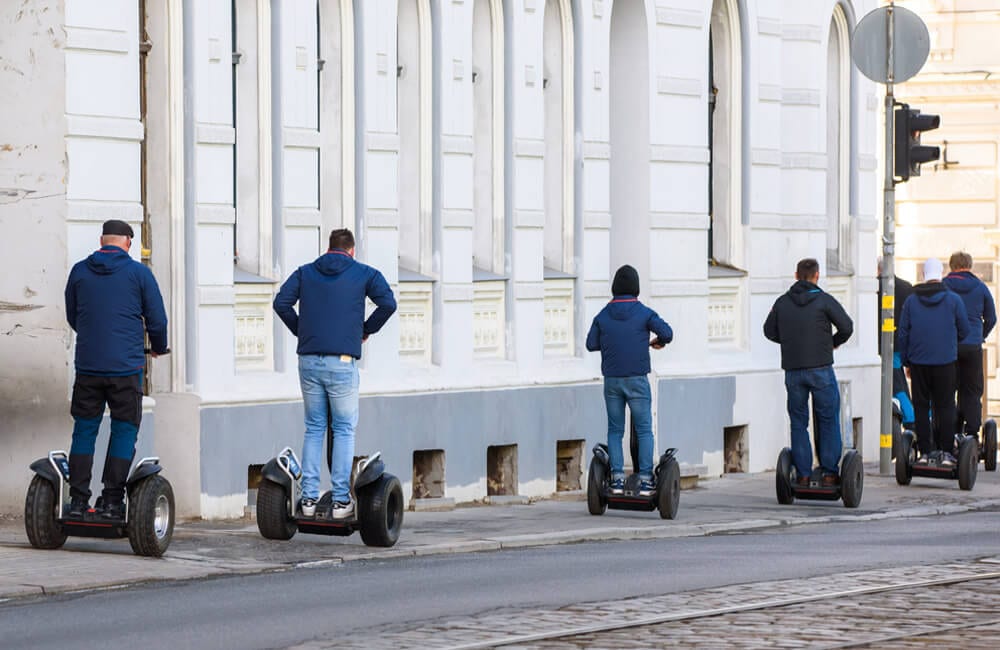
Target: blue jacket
(979,305)
(932,324)
(621,332)
(331,294)
(110,301)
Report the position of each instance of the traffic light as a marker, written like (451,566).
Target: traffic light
(910,123)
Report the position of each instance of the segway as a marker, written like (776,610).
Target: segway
(378,512)
(666,475)
(988,449)
(149,508)
(908,462)
(849,486)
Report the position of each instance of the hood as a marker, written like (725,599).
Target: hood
(961,281)
(107,259)
(930,293)
(333,262)
(804,292)
(621,307)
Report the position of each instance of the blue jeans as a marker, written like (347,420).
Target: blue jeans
(329,393)
(821,383)
(634,391)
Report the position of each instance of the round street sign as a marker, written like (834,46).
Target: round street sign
(870,45)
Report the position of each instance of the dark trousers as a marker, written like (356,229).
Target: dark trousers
(123,396)
(934,386)
(970,389)
(821,384)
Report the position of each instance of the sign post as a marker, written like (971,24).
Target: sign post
(877,53)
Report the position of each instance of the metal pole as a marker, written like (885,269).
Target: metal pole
(888,274)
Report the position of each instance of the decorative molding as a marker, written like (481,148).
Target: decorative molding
(457,291)
(388,142)
(684,86)
(679,154)
(381,219)
(457,144)
(97,40)
(109,128)
(215,295)
(558,313)
(680,17)
(214,134)
(769,93)
(769,26)
(690,287)
(804,160)
(529,148)
(453,219)
(100,211)
(763,157)
(302,218)
(769,286)
(805,33)
(596,220)
(533,219)
(298,138)
(593,150)
(800,97)
(524,290)
(678,221)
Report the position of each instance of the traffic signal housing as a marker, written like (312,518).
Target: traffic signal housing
(910,123)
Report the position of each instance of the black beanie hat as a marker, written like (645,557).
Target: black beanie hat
(626,282)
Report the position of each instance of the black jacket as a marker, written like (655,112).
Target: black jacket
(800,321)
(902,291)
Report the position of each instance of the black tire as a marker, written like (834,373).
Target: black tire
(380,511)
(968,462)
(273,512)
(40,515)
(668,490)
(151,516)
(852,479)
(904,459)
(990,446)
(783,478)
(597,479)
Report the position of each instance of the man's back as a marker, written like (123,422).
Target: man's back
(801,321)
(331,293)
(933,322)
(978,303)
(111,300)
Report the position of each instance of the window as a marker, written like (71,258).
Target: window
(838,143)
(725,97)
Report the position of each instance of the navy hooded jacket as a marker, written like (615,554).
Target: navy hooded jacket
(331,294)
(932,324)
(979,307)
(621,332)
(110,300)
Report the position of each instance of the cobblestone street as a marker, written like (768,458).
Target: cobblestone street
(894,608)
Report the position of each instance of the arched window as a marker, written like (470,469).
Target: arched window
(725,237)
(413,121)
(838,143)
(557,89)
(629,136)
(488,91)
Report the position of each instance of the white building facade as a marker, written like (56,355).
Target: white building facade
(497,160)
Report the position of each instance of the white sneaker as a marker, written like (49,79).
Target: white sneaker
(308,507)
(342,510)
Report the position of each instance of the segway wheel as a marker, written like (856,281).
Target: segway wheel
(274,511)
(597,502)
(852,479)
(990,445)
(40,515)
(783,478)
(668,490)
(380,511)
(905,459)
(968,462)
(151,516)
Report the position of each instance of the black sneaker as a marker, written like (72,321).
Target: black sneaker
(947,460)
(617,486)
(647,488)
(342,510)
(113,510)
(78,508)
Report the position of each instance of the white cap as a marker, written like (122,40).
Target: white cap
(932,269)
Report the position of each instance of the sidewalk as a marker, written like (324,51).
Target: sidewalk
(735,503)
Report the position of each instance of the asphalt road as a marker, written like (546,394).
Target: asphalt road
(281,609)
